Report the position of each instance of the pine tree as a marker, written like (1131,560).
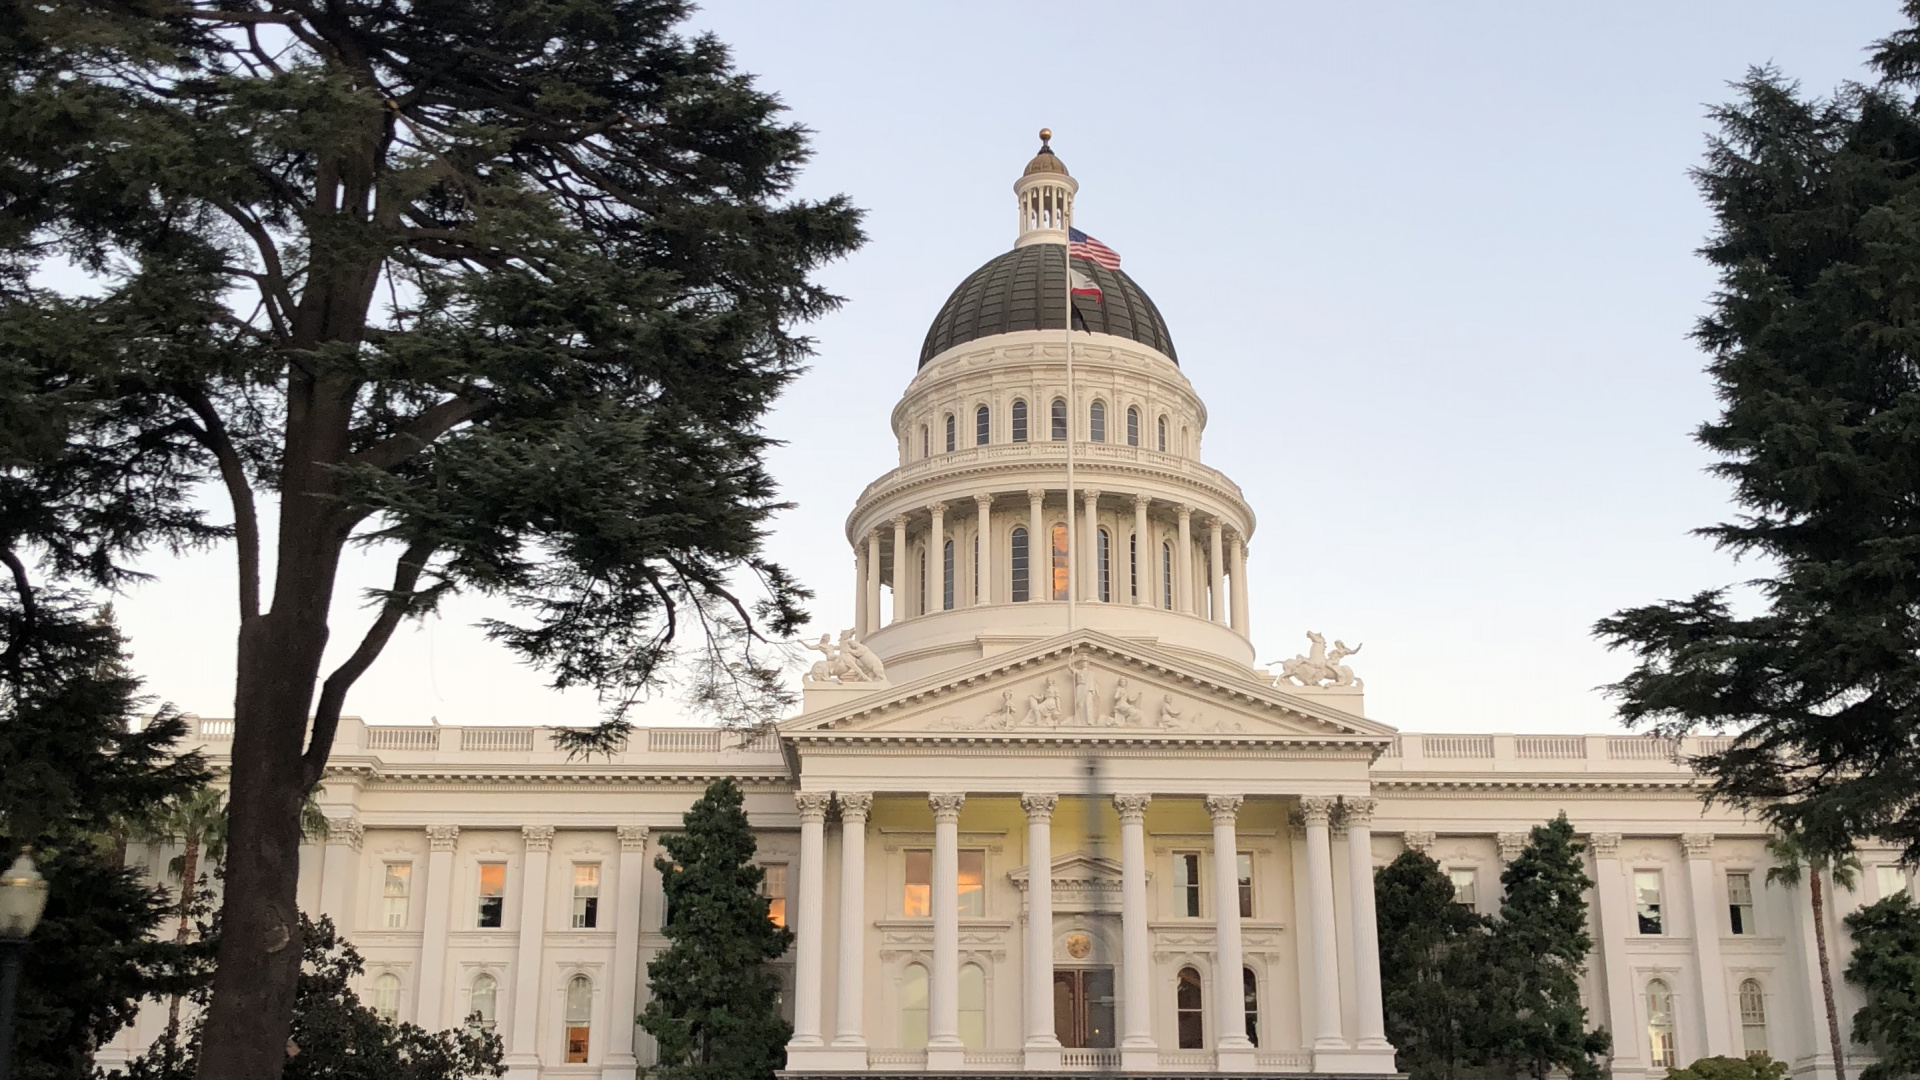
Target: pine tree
(499,289)
(715,1010)
(1534,1023)
(1886,967)
(1430,948)
(1813,336)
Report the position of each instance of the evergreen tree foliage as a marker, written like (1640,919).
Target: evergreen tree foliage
(715,1010)
(1751,1067)
(1814,340)
(1886,968)
(1530,1010)
(1431,950)
(500,289)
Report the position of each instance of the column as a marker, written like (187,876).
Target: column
(1238,554)
(1042,1045)
(1183,568)
(523,1045)
(983,507)
(1039,548)
(1317,810)
(936,561)
(1235,1049)
(340,872)
(848,1033)
(1216,574)
(808,984)
(427,991)
(871,589)
(944,1049)
(1138,1051)
(1612,897)
(899,567)
(1145,559)
(1366,931)
(860,590)
(621,1062)
(1698,848)
(1090,550)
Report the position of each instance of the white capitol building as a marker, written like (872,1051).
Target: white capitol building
(1072,828)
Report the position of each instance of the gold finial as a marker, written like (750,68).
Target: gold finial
(1046,135)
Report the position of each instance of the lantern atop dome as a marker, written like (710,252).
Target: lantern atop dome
(1045,193)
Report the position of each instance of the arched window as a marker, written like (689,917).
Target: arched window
(1166,576)
(913,1008)
(1660,1024)
(1183,441)
(1250,995)
(1019,420)
(1753,1016)
(950,433)
(1189,1019)
(926,447)
(1104,587)
(1059,562)
(1059,420)
(1018,563)
(480,1006)
(386,997)
(1133,426)
(946,577)
(1133,567)
(1160,435)
(920,566)
(973,1007)
(1097,421)
(982,426)
(579,1018)
(978,596)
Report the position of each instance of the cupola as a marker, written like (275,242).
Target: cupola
(1045,195)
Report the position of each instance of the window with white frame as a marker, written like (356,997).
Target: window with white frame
(1097,422)
(396,887)
(586,896)
(1186,883)
(1250,1001)
(952,434)
(913,1007)
(982,427)
(579,1018)
(1103,545)
(1160,435)
(973,1006)
(1753,1017)
(1244,868)
(1740,903)
(1133,426)
(1660,1024)
(775,885)
(480,1004)
(1017,416)
(386,996)
(1648,902)
(1018,587)
(1059,420)
(1466,886)
(493,895)
(1190,1025)
(972,883)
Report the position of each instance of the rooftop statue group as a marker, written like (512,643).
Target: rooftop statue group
(845,661)
(1319,666)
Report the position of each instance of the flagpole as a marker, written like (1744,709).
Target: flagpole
(1073,406)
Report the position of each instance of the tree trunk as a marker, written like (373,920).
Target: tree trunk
(1826,976)
(189,870)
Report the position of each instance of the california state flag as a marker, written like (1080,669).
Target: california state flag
(1084,285)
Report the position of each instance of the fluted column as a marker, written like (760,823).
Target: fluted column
(621,1063)
(1145,573)
(1138,1051)
(1090,549)
(860,627)
(428,990)
(1612,895)
(1366,932)
(848,1032)
(1238,555)
(900,608)
(1701,891)
(807,975)
(1216,574)
(1183,570)
(870,589)
(983,506)
(1039,548)
(523,1043)
(1042,1045)
(936,561)
(944,1049)
(1235,1049)
(1317,811)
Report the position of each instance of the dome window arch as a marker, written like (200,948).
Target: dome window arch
(952,441)
(1059,560)
(1018,415)
(1104,545)
(946,576)
(1017,565)
(1133,426)
(1166,576)
(1059,418)
(1190,1019)
(926,442)
(1097,421)
(1160,435)
(982,426)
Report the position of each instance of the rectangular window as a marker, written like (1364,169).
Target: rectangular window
(1245,859)
(1740,903)
(1466,886)
(917,903)
(493,893)
(1646,900)
(776,890)
(586,896)
(1890,879)
(973,883)
(972,888)
(1186,883)
(1059,562)
(394,890)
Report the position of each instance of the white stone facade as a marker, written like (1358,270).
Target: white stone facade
(1206,832)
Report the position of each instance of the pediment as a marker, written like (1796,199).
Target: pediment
(1075,870)
(1086,685)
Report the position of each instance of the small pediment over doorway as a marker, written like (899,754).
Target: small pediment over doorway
(1082,881)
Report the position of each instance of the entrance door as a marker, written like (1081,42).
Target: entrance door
(1083,1006)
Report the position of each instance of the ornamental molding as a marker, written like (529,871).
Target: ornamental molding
(854,805)
(812,805)
(1317,810)
(1419,841)
(946,806)
(1039,808)
(346,830)
(1697,845)
(1604,845)
(632,837)
(1510,844)
(538,838)
(1131,808)
(443,837)
(1224,809)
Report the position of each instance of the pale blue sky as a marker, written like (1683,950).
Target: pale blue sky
(1431,266)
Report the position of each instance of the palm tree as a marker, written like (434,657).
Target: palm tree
(198,822)
(1795,854)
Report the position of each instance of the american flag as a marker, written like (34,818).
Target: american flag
(1082,246)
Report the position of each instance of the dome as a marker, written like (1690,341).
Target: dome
(1024,289)
(1046,161)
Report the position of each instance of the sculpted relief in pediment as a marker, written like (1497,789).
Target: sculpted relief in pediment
(1081,695)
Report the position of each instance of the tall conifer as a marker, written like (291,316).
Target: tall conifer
(1429,947)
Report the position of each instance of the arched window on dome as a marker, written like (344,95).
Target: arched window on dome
(978,596)
(926,445)
(1753,1016)
(1133,567)
(946,577)
(1660,1024)
(1250,998)
(386,996)
(579,1022)
(1019,418)
(1059,562)
(982,428)
(1059,420)
(1097,421)
(1133,426)
(1166,576)
(951,442)
(1160,435)
(480,1004)
(1017,563)
(1189,1019)
(1104,587)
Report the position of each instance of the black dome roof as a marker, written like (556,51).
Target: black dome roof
(1025,289)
